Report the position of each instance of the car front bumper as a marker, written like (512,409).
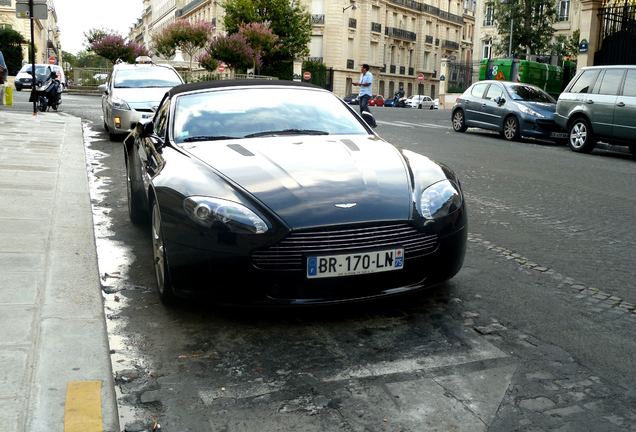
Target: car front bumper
(540,128)
(123,121)
(235,279)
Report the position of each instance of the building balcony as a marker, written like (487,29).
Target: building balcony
(392,69)
(376,27)
(398,33)
(428,39)
(353,23)
(450,45)
(350,64)
(383,69)
(436,42)
(318,19)
(411,71)
(402,70)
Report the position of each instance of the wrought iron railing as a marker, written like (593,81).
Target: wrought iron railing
(353,23)
(350,64)
(318,19)
(400,34)
(376,27)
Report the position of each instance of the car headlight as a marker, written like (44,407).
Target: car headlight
(238,218)
(527,110)
(120,104)
(439,200)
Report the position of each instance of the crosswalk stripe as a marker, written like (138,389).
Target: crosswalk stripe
(393,124)
(425,125)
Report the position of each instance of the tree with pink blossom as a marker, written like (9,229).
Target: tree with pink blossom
(113,46)
(189,37)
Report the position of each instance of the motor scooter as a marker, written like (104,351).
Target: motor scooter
(47,90)
(399,101)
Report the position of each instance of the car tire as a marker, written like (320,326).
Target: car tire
(431,107)
(511,128)
(106,128)
(18,88)
(113,136)
(135,192)
(459,121)
(160,262)
(580,136)
(419,106)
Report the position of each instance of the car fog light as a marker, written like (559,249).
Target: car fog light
(202,211)
(117,121)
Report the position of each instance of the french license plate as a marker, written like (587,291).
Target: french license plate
(558,135)
(354,264)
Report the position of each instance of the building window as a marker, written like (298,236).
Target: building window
(489,15)
(487,48)
(564,10)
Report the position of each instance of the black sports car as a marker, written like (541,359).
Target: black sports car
(274,192)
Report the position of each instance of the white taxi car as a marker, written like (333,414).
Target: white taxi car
(133,92)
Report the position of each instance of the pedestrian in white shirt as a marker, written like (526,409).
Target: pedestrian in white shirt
(365,84)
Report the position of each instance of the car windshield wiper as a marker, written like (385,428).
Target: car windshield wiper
(207,138)
(288,132)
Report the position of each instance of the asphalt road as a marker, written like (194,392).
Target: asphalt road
(534,333)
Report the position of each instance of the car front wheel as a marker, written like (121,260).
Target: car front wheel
(580,136)
(511,128)
(459,122)
(162,269)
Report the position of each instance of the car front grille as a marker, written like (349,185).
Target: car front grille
(289,253)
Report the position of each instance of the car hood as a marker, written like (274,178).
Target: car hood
(148,97)
(547,109)
(316,180)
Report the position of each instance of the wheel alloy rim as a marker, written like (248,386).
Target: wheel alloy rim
(510,130)
(458,121)
(157,248)
(578,135)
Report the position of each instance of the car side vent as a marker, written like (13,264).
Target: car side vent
(240,149)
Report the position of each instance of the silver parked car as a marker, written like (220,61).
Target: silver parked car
(513,109)
(132,93)
(599,104)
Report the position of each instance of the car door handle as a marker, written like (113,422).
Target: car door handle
(589,101)
(483,105)
(620,104)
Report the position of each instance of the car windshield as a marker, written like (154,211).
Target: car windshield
(529,94)
(254,112)
(142,77)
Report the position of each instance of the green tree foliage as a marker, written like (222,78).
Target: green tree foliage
(532,22)
(189,37)
(11,46)
(113,46)
(564,46)
(288,20)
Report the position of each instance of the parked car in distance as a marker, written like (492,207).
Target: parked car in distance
(352,99)
(376,100)
(133,92)
(389,102)
(24,80)
(599,103)
(436,103)
(513,109)
(420,102)
(246,185)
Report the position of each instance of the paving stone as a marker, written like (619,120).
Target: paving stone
(536,404)
(566,411)
(539,376)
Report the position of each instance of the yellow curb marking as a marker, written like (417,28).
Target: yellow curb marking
(83,407)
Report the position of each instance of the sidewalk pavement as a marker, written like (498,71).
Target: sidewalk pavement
(55,370)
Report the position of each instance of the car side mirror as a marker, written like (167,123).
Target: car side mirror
(103,88)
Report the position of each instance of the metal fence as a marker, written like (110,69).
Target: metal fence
(88,78)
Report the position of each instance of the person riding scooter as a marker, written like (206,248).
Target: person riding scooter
(399,100)
(47,89)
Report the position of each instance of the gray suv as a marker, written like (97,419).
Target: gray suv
(599,104)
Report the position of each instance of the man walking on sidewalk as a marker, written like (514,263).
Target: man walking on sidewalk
(366,84)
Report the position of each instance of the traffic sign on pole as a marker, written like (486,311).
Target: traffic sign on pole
(307,75)
(221,68)
(420,77)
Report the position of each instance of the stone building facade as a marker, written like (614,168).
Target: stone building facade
(46,32)
(399,39)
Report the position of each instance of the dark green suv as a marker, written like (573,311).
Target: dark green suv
(599,104)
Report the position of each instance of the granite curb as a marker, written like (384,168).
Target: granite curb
(52,324)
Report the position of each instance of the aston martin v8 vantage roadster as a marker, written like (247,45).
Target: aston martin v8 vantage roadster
(272,192)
